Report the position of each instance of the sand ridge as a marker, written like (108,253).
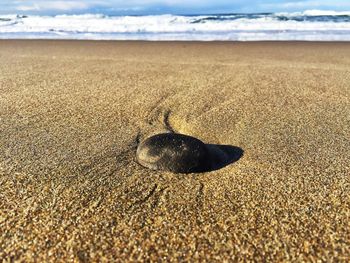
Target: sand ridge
(73,112)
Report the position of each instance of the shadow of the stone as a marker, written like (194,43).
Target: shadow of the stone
(222,156)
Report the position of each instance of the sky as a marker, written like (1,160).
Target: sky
(146,7)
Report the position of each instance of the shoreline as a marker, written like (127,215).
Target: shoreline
(178,41)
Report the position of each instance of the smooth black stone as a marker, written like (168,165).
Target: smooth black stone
(173,152)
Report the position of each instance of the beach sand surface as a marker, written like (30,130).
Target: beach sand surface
(73,112)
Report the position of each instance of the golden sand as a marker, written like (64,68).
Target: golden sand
(72,114)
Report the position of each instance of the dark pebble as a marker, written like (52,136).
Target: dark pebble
(173,152)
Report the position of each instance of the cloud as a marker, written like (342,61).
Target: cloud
(28,7)
(306,4)
(166,6)
(53,5)
(113,6)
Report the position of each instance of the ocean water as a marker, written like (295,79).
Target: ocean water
(310,25)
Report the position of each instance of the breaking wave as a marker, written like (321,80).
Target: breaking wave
(308,25)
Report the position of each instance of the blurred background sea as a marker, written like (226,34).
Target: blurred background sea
(312,25)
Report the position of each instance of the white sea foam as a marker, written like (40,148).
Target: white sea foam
(325,13)
(308,25)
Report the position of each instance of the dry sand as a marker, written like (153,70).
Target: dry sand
(72,114)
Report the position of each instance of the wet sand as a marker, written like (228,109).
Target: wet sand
(73,112)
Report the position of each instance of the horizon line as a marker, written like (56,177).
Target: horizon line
(180,14)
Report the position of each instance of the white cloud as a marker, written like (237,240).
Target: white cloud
(149,6)
(301,4)
(33,7)
(54,5)
(307,4)
(63,6)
